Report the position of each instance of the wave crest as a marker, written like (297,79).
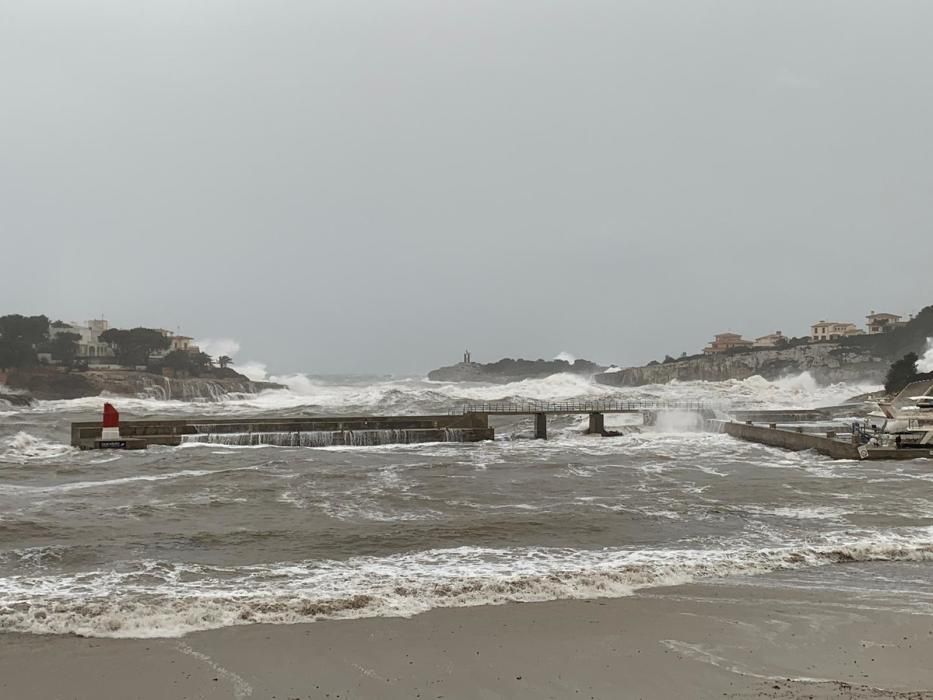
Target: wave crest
(192,597)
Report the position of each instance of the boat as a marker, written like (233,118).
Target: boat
(909,416)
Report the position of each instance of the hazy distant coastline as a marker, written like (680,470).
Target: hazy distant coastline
(864,357)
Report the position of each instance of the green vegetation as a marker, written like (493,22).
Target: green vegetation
(133,347)
(24,338)
(190,363)
(64,348)
(28,329)
(20,336)
(909,338)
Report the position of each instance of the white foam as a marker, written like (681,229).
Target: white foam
(105,483)
(925,363)
(24,447)
(157,599)
(414,396)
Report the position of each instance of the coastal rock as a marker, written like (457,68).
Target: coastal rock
(52,384)
(508,370)
(15,398)
(826,362)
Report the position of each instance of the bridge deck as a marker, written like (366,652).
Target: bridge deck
(579,407)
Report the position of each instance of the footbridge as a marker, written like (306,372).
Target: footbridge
(595,409)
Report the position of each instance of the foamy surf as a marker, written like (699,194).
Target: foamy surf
(153,599)
(24,447)
(414,395)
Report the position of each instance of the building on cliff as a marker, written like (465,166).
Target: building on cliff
(184,343)
(883,323)
(772,340)
(723,342)
(832,330)
(91,348)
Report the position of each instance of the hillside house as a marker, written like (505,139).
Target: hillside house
(723,342)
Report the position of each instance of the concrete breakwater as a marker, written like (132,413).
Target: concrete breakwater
(793,440)
(293,432)
(829,443)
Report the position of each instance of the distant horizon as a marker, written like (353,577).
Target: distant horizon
(232,347)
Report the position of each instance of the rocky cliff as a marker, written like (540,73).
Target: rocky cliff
(51,384)
(826,362)
(509,370)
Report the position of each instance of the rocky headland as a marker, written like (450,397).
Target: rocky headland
(860,358)
(508,370)
(865,358)
(48,383)
(826,362)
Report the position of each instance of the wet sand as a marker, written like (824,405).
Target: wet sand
(697,641)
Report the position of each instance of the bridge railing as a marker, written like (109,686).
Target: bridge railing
(528,407)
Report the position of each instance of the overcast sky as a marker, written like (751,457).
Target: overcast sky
(375,186)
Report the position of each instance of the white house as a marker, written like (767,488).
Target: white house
(178,342)
(832,330)
(882,323)
(90,347)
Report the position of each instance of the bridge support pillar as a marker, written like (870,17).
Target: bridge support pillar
(597,424)
(649,417)
(540,426)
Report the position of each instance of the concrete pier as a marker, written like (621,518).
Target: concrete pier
(597,424)
(827,444)
(340,430)
(792,440)
(540,426)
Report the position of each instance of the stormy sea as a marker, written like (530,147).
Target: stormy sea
(166,541)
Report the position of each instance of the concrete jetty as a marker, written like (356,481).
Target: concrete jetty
(468,423)
(829,443)
(296,431)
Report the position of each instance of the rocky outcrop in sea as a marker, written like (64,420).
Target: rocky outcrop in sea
(53,384)
(508,370)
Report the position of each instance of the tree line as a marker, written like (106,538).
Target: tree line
(24,338)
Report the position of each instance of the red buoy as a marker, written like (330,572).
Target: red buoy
(111,416)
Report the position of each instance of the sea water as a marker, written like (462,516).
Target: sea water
(171,540)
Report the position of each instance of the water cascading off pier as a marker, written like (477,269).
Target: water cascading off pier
(293,432)
(327,438)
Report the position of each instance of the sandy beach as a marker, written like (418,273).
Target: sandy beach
(696,641)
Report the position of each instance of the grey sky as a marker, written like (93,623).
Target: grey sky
(374,186)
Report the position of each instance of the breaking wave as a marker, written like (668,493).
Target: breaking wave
(925,364)
(23,447)
(412,396)
(157,599)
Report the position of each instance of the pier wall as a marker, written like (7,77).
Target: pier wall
(793,440)
(404,429)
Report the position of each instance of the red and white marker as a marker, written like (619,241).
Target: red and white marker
(111,430)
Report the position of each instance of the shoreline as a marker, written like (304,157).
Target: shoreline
(692,641)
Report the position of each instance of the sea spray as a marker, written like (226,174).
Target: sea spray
(925,363)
